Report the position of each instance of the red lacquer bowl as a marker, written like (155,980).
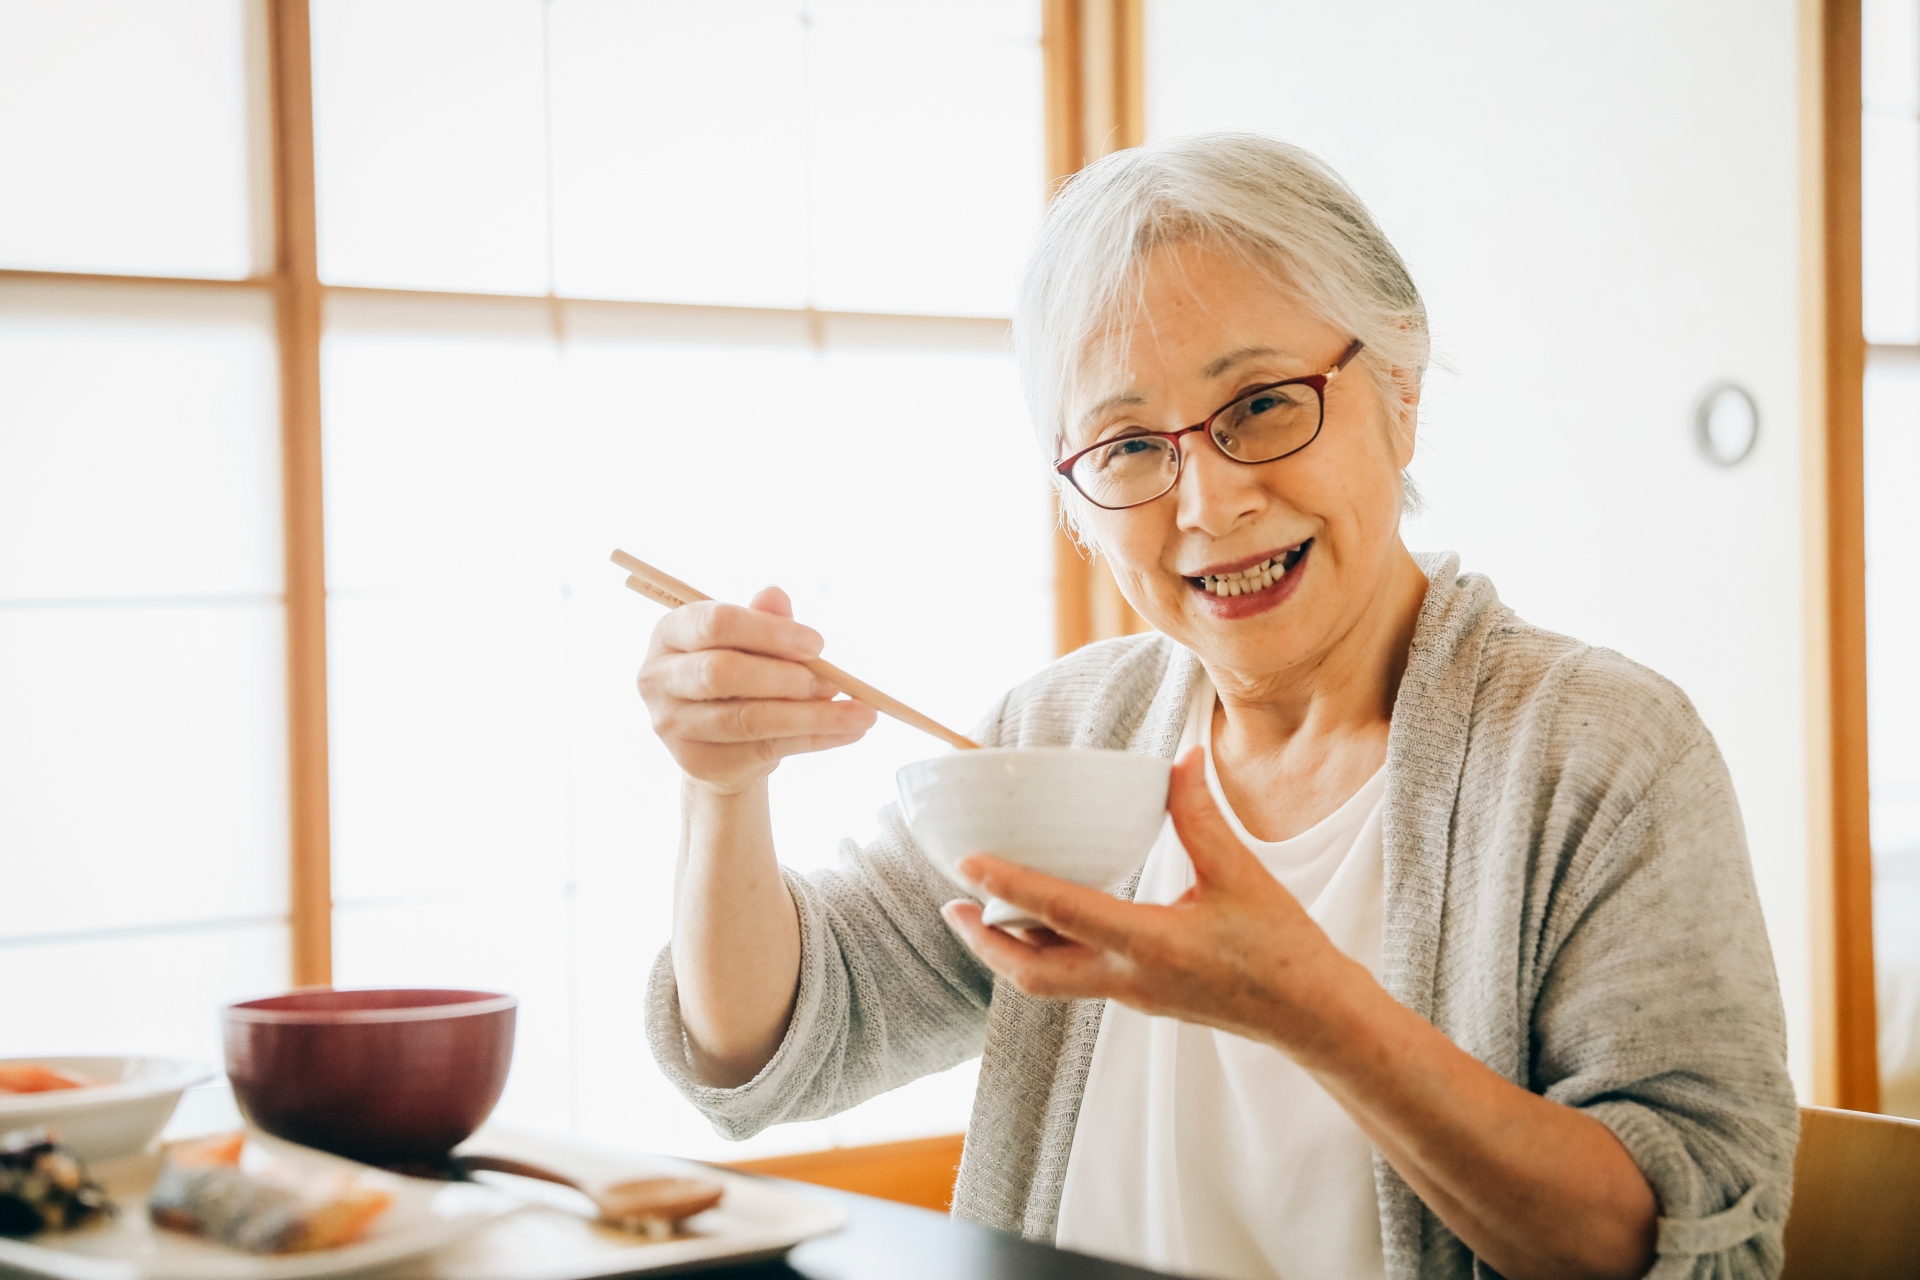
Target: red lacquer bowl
(382,1076)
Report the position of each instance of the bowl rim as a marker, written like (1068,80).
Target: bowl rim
(1136,759)
(977,752)
(185,1073)
(248,1011)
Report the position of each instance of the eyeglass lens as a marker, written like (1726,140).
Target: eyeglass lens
(1258,427)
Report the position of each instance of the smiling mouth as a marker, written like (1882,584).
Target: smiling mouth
(1248,581)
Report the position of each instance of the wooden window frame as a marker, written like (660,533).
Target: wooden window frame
(297,296)
(1094,58)
(1840,850)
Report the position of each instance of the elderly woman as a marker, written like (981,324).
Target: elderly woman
(1449,959)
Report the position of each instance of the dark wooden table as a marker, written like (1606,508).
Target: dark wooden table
(887,1241)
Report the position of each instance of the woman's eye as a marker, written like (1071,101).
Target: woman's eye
(1267,401)
(1129,451)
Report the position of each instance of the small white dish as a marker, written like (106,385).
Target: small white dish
(424,1216)
(120,1116)
(1082,815)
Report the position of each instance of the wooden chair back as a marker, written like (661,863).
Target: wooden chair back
(919,1171)
(1856,1198)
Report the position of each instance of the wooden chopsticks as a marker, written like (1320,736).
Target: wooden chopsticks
(662,588)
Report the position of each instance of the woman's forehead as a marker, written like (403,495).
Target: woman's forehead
(1117,381)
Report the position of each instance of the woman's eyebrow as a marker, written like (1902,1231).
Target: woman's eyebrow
(1233,358)
(1099,411)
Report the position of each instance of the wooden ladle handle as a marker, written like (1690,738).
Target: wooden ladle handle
(479,1163)
(650,1206)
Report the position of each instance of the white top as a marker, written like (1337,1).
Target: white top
(1205,1153)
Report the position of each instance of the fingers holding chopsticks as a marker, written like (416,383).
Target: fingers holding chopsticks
(707,674)
(766,626)
(704,629)
(730,697)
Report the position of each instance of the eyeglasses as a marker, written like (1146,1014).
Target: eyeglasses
(1265,424)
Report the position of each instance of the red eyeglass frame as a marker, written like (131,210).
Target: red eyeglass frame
(1318,381)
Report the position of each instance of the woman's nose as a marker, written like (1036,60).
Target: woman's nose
(1215,492)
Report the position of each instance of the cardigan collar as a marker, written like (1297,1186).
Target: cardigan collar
(1426,750)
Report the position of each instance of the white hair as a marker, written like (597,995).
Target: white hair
(1278,208)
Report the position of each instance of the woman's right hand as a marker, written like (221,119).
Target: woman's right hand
(730,698)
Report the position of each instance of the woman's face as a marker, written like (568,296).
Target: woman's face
(1208,331)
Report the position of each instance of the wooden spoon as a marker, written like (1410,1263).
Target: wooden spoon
(652,1207)
(664,589)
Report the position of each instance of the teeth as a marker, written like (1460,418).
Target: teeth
(1258,578)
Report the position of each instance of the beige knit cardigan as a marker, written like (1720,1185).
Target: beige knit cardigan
(1568,898)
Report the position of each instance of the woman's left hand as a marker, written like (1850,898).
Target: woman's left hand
(1237,951)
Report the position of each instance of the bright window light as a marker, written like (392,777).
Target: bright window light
(152,790)
(925,156)
(139,443)
(1890,56)
(429,139)
(143,769)
(1893,603)
(1890,230)
(679,151)
(152,992)
(124,137)
(1890,169)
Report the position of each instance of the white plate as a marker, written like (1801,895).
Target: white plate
(557,1239)
(423,1216)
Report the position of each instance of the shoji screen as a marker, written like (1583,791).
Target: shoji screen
(143,824)
(773,248)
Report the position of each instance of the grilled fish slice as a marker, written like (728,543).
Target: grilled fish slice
(275,1208)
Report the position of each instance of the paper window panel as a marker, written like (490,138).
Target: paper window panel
(926,161)
(429,140)
(443,457)
(143,773)
(1893,600)
(1890,56)
(443,529)
(679,151)
(450,744)
(1890,227)
(139,443)
(132,135)
(149,993)
(1015,20)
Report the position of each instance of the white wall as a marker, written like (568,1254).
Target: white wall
(1599,201)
